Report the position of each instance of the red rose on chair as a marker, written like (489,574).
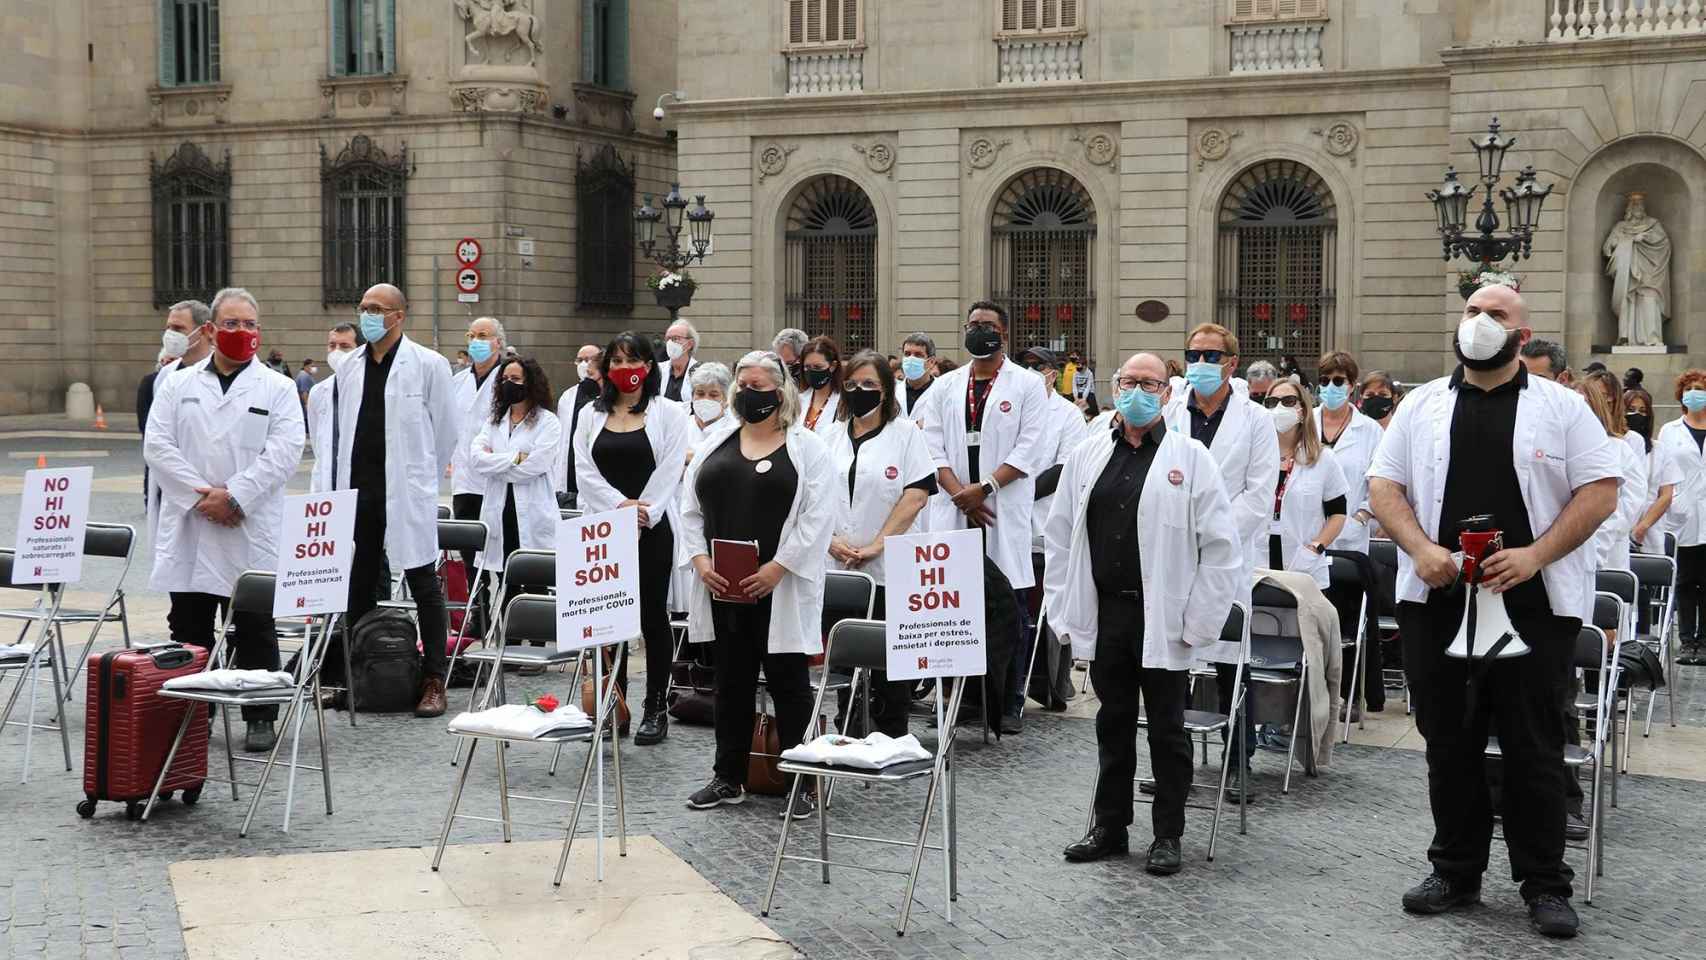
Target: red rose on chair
(545,704)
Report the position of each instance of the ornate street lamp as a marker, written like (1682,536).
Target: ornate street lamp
(1522,206)
(673,290)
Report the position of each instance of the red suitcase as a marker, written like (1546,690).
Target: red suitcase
(129,728)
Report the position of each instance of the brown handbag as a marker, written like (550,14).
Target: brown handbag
(762,775)
(589,698)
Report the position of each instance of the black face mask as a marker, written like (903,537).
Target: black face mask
(1639,423)
(757,405)
(982,342)
(796,369)
(863,401)
(1376,406)
(1506,353)
(818,379)
(511,392)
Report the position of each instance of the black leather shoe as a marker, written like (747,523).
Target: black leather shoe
(1098,843)
(259,736)
(654,727)
(1012,723)
(1553,916)
(1164,859)
(1575,828)
(1437,894)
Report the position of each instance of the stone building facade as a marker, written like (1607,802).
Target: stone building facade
(1118,172)
(152,149)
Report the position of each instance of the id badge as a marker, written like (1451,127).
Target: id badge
(974,438)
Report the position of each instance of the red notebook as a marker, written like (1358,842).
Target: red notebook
(734,561)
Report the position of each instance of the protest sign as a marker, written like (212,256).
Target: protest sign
(935,618)
(598,579)
(52,515)
(316,550)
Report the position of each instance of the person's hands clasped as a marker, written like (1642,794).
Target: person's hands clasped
(972,501)
(763,583)
(217,506)
(1436,567)
(643,507)
(843,552)
(709,576)
(1510,567)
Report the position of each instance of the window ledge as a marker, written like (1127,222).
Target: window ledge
(603,108)
(363,95)
(188,104)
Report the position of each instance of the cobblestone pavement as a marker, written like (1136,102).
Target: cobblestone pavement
(1319,873)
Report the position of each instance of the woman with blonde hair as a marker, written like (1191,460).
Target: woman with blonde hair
(1310,500)
(1611,541)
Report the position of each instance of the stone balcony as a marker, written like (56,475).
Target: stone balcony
(826,71)
(1572,20)
(1040,59)
(1272,47)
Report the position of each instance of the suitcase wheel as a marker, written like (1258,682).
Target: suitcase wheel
(86,808)
(191,796)
(133,810)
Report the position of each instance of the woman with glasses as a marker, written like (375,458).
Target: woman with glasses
(629,452)
(820,403)
(1352,437)
(883,476)
(1310,499)
(708,387)
(764,480)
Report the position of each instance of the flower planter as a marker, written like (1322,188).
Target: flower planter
(674,297)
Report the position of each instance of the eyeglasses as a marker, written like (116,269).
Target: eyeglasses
(1204,356)
(680,339)
(234,324)
(1146,384)
(981,325)
(1337,380)
(1287,401)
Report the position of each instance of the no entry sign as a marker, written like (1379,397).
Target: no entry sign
(468,280)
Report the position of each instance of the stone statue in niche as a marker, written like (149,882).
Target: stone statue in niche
(496,19)
(1638,262)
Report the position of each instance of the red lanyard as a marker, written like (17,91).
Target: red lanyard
(972,420)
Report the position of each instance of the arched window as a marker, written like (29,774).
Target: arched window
(361,220)
(192,248)
(1041,264)
(1276,268)
(831,256)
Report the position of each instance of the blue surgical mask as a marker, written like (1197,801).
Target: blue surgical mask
(479,351)
(1694,400)
(1137,407)
(373,328)
(912,367)
(1333,396)
(1205,378)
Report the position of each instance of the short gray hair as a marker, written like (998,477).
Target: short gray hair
(1262,370)
(233,293)
(497,328)
(793,337)
(200,313)
(711,374)
(772,364)
(1551,350)
(921,340)
(692,331)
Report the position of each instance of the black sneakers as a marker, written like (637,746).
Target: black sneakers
(1552,916)
(716,794)
(804,806)
(1437,894)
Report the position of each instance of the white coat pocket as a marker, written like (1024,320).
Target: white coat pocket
(253,437)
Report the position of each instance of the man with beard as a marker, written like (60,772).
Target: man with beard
(1492,440)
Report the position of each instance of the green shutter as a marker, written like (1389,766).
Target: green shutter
(589,42)
(168,43)
(340,40)
(616,71)
(388,35)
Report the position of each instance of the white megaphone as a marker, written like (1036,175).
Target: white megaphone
(1486,629)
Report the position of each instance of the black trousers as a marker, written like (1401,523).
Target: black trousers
(193,618)
(466,506)
(1691,593)
(1521,696)
(1120,677)
(891,700)
(1347,600)
(366,585)
(743,636)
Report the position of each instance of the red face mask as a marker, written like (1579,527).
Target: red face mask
(239,345)
(628,379)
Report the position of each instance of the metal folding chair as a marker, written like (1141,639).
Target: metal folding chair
(1612,616)
(253,593)
(1346,573)
(525,619)
(1278,661)
(111,541)
(1626,587)
(1200,725)
(26,669)
(1657,576)
(861,646)
(456,537)
(1383,554)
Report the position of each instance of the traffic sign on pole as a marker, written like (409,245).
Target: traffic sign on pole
(468,280)
(468,251)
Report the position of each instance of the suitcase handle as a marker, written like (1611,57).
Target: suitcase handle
(171,658)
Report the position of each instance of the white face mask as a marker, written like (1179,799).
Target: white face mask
(336,358)
(1481,337)
(174,344)
(674,349)
(581,368)
(1285,417)
(707,409)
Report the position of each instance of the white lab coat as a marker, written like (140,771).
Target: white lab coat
(910,410)
(491,460)
(1557,446)
(320,435)
(666,431)
(1611,540)
(249,441)
(473,410)
(1015,420)
(887,463)
(153,486)
(1685,466)
(1354,450)
(796,607)
(420,438)
(1066,430)
(1189,551)
(1301,516)
(826,422)
(1247,450)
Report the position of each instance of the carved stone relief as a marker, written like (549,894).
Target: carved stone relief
(982,151)
(773,159)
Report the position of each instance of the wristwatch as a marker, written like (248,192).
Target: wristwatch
(989,488)
(1319,549)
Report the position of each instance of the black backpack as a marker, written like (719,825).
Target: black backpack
(387,662)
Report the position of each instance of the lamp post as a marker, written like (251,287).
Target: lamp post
(1522,206)
(669,254)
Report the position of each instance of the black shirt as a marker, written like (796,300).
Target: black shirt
(226,380)
(913,393)
(367,447)
(672,388)
(1204,426)
(1111,515)
(1482,476)
(624,460)
(927,484)
(1699,437)
(980,390)
(739,502)
(585,392)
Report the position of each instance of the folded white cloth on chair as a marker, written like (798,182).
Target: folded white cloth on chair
(14,651)
(874,752)
(231,681)
(521,721)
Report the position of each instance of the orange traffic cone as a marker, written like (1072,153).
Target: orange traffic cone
(41,460)
(100,418)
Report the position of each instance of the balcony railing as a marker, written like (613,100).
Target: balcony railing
(1270,47)
(1569,20)
(1041,59)
(826,71)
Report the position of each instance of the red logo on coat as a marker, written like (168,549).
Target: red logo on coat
(1006,406)
(1175,478)
(892,472)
